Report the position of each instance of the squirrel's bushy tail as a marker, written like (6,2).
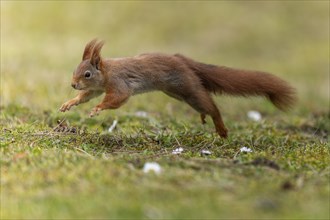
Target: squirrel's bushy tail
(220,79)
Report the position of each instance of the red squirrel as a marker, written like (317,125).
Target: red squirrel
(177,76)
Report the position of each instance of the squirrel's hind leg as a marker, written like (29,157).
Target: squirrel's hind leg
(203,116)
(202,102)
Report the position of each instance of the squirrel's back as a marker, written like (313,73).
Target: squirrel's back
(153,71)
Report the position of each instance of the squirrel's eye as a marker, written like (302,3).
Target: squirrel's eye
(88,74)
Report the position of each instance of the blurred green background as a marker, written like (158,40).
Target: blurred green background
(42,43)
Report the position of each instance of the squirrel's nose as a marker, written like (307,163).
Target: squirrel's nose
(74,85)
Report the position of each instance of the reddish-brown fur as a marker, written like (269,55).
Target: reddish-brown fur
(176,75)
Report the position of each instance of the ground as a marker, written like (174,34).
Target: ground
(67,165)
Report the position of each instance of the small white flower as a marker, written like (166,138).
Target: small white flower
(141,114)
(254,115)
(114,123)
(177,150)
(152,166)
(246,149)
(206,152)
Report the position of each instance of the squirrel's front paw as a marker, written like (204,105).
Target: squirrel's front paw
(66,106)
(95,111)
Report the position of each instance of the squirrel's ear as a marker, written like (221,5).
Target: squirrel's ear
(96,57)
(89,49)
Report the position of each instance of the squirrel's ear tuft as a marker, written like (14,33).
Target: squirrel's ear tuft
(96,57)
(89,49)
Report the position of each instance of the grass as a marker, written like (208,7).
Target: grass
(90,174)
(79,170)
